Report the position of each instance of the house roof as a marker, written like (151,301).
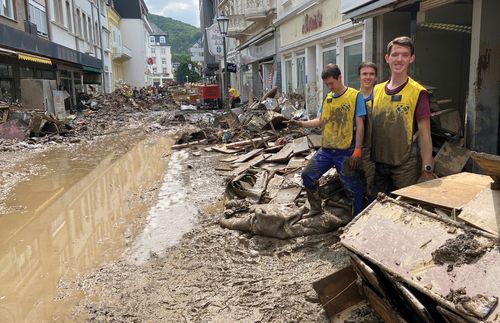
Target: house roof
(157,30)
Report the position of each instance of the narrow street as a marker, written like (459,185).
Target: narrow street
(125,229)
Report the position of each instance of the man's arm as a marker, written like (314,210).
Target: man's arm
(425,145)
(314,123)
(360,132)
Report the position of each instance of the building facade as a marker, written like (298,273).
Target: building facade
(135,31)
(119,52)
(312,35)
(37,57)
(197,53)
(161,54)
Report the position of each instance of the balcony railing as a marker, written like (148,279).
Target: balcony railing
(258,9)
(121,52)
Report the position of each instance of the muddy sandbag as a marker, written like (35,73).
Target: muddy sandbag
(284,221)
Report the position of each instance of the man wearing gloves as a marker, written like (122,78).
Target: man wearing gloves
(342,122)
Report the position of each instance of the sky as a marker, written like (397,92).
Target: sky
(187,11)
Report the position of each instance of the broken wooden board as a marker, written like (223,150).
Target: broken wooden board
(483,211)
(245,143)
(365,272)
(490,165)
(253,162)
(338,291)
(451,159)
(225,150)
(283,155)
(248,155)
(387,312)
(296,162)
(417,307)
(224,168)
(449,119)
(286,195)
(300,145)
(315,140)
(400,240)
(451,192)
(189,144)
(228,159)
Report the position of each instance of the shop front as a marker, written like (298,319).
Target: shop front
(310,39)
(457,48)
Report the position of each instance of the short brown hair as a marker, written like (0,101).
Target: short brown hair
(367,64)
(331,70)
(401,41)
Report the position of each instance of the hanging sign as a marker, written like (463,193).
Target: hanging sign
(214,41)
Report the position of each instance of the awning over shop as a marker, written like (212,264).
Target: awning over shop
(362,9)
(90,69)
(34,58)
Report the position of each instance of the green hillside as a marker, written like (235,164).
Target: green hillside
(182,36)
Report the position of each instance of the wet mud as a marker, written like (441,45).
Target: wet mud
(463,249)
(212,274)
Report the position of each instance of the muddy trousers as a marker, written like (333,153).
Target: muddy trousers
(389,178)
(322,161)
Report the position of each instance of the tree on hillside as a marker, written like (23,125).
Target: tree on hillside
(183,71)
(181,35)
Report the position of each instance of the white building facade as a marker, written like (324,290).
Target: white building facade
(312,35)
(161,55)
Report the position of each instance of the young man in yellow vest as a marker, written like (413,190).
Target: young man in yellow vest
(401,113)
(367,72)
(341,119)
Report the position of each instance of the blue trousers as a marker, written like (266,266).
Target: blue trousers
(322,161)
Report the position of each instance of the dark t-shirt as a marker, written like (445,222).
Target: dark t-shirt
(423,109)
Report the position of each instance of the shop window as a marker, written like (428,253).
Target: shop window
(301,75)
(26,72)
(353,56)
(38,16)
(7,8)
(6,83)
(45,74)
(329,57)
(288,76)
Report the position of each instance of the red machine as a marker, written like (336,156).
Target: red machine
(209,95)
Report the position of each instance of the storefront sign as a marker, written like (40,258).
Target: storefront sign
(312,22)
(214,40)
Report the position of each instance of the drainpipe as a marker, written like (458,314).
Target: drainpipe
(102,45)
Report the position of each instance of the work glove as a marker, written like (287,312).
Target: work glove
(355,161)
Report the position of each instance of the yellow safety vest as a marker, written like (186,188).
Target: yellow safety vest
(338,117)
(392,120)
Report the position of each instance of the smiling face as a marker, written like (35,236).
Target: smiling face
(399,59)
(367,76)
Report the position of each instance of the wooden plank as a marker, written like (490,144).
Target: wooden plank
(300,145)
(283,155)
(189,144)
(451,192)
(387,312)
(367,273)
(400,240)
(338,291)
(451,159)
(253,162)
(296,162)
(489,164)
(225,150)
(286,195)
(228,159)
(315,140)
(483,211)
(415,304)
(248,155)
(244,143)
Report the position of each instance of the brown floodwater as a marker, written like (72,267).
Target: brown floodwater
(70,219)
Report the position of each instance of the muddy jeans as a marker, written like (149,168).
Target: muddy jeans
(323,160)
(389,178)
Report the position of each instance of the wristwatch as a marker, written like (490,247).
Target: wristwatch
(428,168)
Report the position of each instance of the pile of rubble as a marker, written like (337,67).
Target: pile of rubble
(95,114)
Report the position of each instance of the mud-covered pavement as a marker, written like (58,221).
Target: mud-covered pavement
(130,233)
(211,274)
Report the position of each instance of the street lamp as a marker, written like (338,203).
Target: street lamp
(223,23)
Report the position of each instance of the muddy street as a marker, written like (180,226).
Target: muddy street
(125,229)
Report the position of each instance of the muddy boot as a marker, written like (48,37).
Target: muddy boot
(315,202)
